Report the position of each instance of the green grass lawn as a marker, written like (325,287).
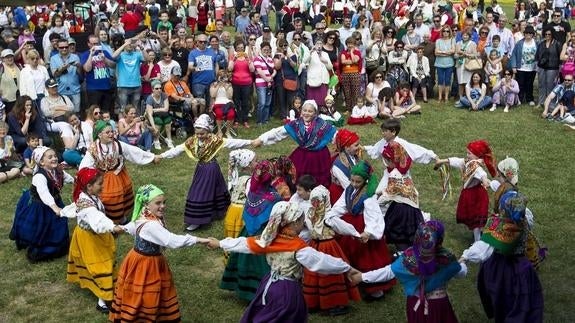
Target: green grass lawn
(31,293)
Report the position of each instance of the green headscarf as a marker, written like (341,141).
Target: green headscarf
(98,127)
(144,195)
(365,170)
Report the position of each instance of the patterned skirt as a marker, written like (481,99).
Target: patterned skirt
(244,272)
(328,291)
(39,230)
(472,208)
(91,262)
(208,197)
(365,256)
(401,223)
(439,311)
(314,163)
(117,196)
(145,291)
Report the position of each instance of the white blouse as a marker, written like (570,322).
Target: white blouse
(41,183)
(154,232)
(372,216)
(96,219)
(228,143)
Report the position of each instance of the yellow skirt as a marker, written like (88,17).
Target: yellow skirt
(91,262)
(233,224)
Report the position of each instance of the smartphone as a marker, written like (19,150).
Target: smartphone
(98,47)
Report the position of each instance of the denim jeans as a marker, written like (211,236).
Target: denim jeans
(264,102)
(145,141)
(201,91)
(125,92)
(72,157)
(486,102)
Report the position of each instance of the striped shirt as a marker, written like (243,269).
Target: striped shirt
(260,65)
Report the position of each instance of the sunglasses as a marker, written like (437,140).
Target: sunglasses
(399,47)
(332,38)
(167,55)
(557,16)
(63,47)
(378,77)
(96,113)
(320,28)
(484,32)
(508,74)
(436,21)
(157,88)
(446,31)
(252,39)
(297,39)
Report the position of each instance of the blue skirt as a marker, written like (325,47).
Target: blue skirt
(510,289)
(208,197)
(284,303)
(39,230)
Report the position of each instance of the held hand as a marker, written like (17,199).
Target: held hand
(203,241)
(57,210)
(364,237)
(257,142)
(118,229)
(354,276)
(157,159)
(213,243)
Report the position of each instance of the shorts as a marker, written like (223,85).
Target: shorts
(444,75)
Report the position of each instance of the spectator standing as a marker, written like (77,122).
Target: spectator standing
(524,65)
(241,67)
(560,27)
(9,79)
(97,63)
(265,73)
(548,61)
(33,78)
(242,21)
(67,69)
(128,59)
(202,68)
(254,28)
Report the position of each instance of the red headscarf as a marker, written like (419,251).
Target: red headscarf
(481,149)
(395,153)
(83,177)
(345,138)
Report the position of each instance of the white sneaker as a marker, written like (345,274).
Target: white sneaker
(157,145)
(169,143)
(506,109)
(192,227)
(493,108)
(532,103)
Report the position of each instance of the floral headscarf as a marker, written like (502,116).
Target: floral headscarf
(204,122)
(240,158)
(144,195)
(283,213)
(509,168)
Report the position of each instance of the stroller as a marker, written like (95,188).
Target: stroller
(182,121)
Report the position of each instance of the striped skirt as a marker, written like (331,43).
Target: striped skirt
(117,196)
(145,291)
(91,262)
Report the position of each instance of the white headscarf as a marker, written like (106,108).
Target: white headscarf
(510,169)
(204,122)
(37,155)
(282,214)
(312,103)
(239,158)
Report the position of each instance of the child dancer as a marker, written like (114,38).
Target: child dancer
(145,290)
(304,185)
(241,163)
(37,225)
(92,250)
(360,114)
(348,149)
(330,293)
(472,208)
(356,216)
(244,272)
(284,179)
(279,296)
(208,196)
(424,271)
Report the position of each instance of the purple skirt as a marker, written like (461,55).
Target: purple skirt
(284,303)
(401,223)
(510,289)
(314,163)
(439,311)
(317,94)
(208,197)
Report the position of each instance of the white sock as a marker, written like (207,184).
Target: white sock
(477,234)
(101,302)
(193,227)
(377,294)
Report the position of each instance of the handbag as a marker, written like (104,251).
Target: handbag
(372,63)
(288,84)
(473,64)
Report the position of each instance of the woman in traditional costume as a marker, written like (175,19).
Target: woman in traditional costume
(473,205)
(244,272)
(92,252)
(348,150)
(424,271)
(145,290)
(38,225)
(329,293)
(279,296)
(356,216)
(312,134)
(208,196)
(108,154)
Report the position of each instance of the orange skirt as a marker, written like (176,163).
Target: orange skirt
(145,291)
(328,291)
(117,196)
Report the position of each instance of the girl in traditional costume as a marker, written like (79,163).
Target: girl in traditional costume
(145,290)
(348,149)
(108,155)
(312,134)
(279,296)
(241,163)
(284,180)
(208,196)
(473,205)
(356,216)
(508,284)
(244,272)
(92,252)
(424,271)
(329,293)
(38,226)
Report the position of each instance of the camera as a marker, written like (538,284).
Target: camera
(142,118)
(82,150)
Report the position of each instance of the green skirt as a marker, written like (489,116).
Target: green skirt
(244,272)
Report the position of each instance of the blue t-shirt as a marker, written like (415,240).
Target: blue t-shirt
(68,83)
(99,77)
(204,62)
(27,154)
(128,69)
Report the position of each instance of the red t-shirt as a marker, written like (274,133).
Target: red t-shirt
(131,21)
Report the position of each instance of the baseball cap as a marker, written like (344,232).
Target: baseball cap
(51,83)
(71,40)
(176,70)
(6,52)
(266,29)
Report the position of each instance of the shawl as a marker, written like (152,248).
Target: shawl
(318,137)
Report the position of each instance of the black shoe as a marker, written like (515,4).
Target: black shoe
(102,309)
(369,298)
(340,310)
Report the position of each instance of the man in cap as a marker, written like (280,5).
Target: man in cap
(67,69)
(202,67)
(267,36)
(179,93)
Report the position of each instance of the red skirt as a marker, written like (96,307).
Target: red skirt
(364,120)
(327,291)
(335,192)
(314,163)
(439,311)
(472,208)
(365,256)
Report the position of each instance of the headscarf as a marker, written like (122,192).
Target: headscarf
(83,177)
(512,205)
(312,103)
(144,195)
(481,149)
(283,213)
(99,126)
(395,152)
(365,170)
(38,153)
(262,176)
(345,138)
(506,231)
(239,158)
(509,168)
(204,122)
(428,241)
